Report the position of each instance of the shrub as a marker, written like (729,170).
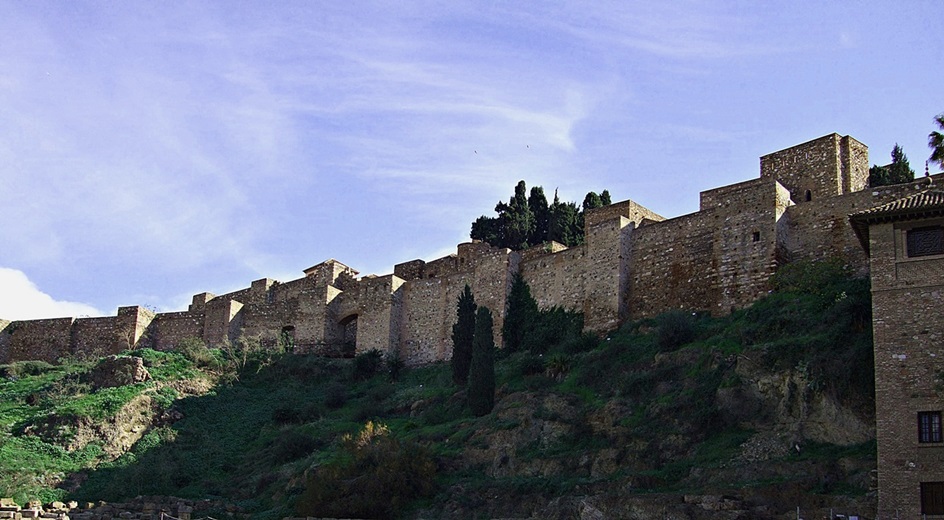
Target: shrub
(395,366)
(285,415)
(335,396)
(551,328)
(367,365)
(26,368)
(196,351)
(165,396)
(675,328)
(558,366)
(530,365)
(368,409)
(311,411)
(576,344)
(809,277)
(291,446)
(374,476)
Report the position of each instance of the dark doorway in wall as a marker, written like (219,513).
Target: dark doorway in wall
(808,196)
(349,335)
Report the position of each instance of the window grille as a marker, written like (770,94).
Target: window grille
(929,426)
(926,241)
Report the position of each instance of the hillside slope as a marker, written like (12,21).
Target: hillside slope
(751,415)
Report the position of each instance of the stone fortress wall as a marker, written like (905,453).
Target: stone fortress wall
(633,263)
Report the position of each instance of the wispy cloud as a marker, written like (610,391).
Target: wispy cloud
(20,299)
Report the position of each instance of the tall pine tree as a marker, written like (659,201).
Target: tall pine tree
(898,172)
(481,393)
(462,333)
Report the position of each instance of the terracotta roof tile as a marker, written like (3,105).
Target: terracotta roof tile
(928,203)
(919,203)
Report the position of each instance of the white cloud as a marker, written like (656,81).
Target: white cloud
(20,299)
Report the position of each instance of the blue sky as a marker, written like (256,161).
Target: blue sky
(151,150)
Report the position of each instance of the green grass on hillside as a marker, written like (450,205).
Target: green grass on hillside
(259,439)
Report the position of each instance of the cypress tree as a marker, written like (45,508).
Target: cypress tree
(463,331)
(527,220)
(592,200)
(520,312)
(517,219)
(487,229)
(605,197)
(537,203)
(482,370)
(563,222)
(899,170)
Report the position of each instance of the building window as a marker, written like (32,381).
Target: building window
(808,196)
(924,241)
(756,236)
(929,426)
(932,498)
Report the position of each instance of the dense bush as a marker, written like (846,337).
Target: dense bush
(809,277)
(335,395)
(25,368)
(286,415)
(197,351)
(367,364)
(394,365)
(291,446)
(558,366)
(554,327)
(675,328)
(818,318)
(529,365)
(374,476)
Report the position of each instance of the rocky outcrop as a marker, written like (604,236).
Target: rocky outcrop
(139,508)
(116,434)
(115,371)
(788,403)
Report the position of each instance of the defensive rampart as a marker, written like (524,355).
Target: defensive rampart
(633,263)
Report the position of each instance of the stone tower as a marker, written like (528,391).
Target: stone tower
(825,167)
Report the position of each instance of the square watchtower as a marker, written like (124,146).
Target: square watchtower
(825,167)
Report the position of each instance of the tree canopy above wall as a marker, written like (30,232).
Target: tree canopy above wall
(528,220)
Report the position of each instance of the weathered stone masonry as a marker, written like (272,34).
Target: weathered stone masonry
(633,263)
